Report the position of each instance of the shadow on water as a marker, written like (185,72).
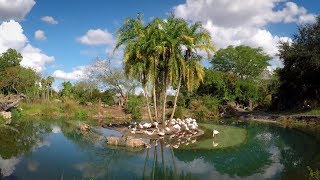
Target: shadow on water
(50,149)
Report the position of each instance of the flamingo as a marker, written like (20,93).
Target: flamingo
(149,133)
(215,132)
(161,133)
(214,144)
(133,130)
(175,146)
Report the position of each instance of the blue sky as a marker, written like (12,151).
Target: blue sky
(61,38)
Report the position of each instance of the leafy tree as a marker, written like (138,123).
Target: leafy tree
(15,78)
(300,85)
(67,90)
(10,58)
(244,61)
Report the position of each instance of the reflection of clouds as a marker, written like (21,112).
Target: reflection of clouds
(89,170)
(8,165)
(56,129)
(41,144)
(33,165)
(265,136)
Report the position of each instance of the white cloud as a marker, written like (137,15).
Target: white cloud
(34,58)
(11,36)
(15,9)
(49,19)
(40,35)
(235,13)
(238,22)
(77,73)
(7,166)
(97,37)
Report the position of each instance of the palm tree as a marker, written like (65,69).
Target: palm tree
(49,82)
(194,38)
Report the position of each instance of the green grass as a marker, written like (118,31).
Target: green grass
(229,136)
(315,111)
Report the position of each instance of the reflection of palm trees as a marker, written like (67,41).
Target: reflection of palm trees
(163,171)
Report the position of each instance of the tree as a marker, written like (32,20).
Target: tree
(112,77)
(67,90)
(154,54)
(299,78)
(10,58)
(244,61)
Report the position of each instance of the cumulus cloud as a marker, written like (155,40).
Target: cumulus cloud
(235,13)
(40,35)
(34,58)
(16,9)
(77,73)
(12,36)
(97,37)
(49,20)
(237,22)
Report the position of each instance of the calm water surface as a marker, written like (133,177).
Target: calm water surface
(56,150)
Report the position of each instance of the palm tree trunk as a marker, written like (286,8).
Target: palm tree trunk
(164,102)
(155,103)
(176,98)
(147,101)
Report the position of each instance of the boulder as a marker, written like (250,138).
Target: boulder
(84,127)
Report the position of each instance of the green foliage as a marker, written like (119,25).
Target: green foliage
(10,58)
(67,90)
(16,113)
(179,112)
(314,174)
(134,105)
(81,114)
(299,77)
(205,108)
(244,61)
(15,78)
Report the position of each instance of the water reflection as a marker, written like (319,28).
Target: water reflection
(54,149)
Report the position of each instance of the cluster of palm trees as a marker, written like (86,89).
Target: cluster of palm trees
(161,54)
(46,84)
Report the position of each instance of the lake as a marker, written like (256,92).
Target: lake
(55,149)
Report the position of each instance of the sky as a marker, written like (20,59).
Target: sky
(61,38)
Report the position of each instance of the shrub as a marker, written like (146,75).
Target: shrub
(16,113)
(179,112)
(134,105)
(314,174)
(212,103)
(194,104)
(81,114)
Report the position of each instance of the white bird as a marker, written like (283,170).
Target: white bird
(193,141)
(161,133)
(156,124)
(214,132)
(133,131)
(148,146)
(147,125)
(149,133)
(214,144)
(175,146)
(140,126)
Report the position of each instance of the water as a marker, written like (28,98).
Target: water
(57,150)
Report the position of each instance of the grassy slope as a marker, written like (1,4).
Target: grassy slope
(229,136)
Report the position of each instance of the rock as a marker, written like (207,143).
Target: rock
(125,141)
(84,127)
(7,116)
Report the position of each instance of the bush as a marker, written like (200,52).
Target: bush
(194,104)
(81,114)
(134,105)
(16,113)
(212,103)
(179,112)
